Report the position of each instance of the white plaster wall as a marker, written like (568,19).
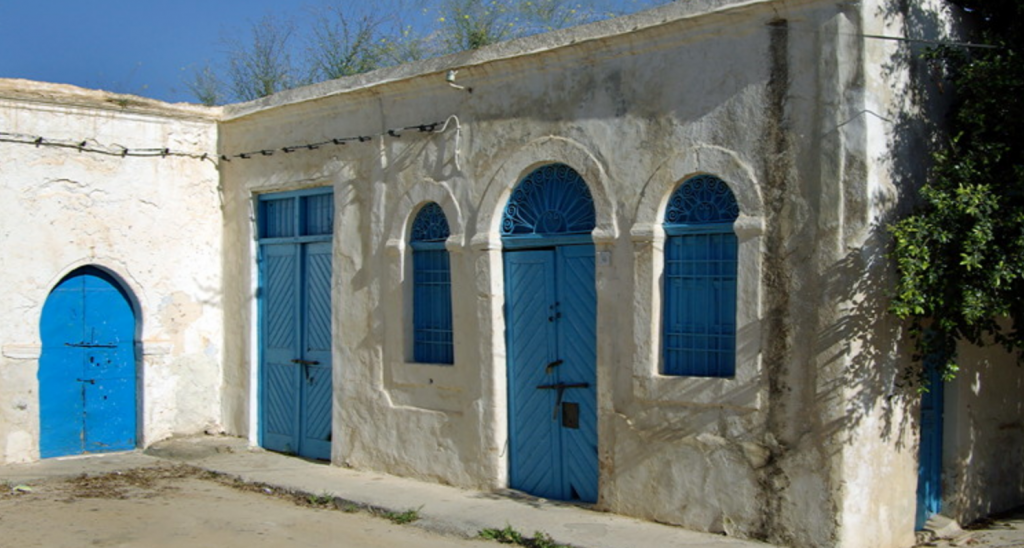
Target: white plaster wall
(772,97)
(155,223)
(983,435)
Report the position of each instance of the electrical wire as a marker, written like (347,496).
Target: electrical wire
(93,147)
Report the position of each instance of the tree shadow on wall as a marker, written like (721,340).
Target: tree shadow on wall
(880,378)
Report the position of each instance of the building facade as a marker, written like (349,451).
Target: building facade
(638,264)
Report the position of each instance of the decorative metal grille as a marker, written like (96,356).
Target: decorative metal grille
(552,199)
(432,288)
(430,225)
(703,199)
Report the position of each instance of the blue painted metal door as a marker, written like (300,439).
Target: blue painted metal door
(929,466)
(550,325)
(87,367)
(296,341)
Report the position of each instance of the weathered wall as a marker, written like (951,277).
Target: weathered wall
(154,223)
(893,119)
(767,96)
(983,436)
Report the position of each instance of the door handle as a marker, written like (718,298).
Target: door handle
(306,362)
(90,381)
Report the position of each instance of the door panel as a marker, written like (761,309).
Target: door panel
(281,377)
(535,455)
(551,301)
(929,474)
(577,343)
(316,405)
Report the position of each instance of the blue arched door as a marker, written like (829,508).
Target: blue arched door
(550,322)
(87,400)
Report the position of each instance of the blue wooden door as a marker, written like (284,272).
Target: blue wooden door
(295,338)
(87,376)
(929,466)
(550,325)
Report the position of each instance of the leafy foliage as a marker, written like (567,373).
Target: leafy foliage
(960,256)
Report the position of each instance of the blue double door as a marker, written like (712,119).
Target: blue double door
(295,323)
(87,375)
(550,328)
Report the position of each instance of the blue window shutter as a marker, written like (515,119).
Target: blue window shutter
(699,312)
(432,292)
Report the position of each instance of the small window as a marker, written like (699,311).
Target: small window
(432,293)
(699,322)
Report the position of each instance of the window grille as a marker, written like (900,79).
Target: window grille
(432,300)
(699,313)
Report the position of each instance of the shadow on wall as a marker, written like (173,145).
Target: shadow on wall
(985,423)
(981,472)
(880,376)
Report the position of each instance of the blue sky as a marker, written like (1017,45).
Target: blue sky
(143,47)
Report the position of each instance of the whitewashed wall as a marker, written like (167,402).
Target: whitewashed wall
(768,96)
(154,223)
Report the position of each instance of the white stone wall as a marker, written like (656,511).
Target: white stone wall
(154,223)
(983,436)
(767,96)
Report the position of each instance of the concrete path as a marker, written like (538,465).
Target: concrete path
(442,509)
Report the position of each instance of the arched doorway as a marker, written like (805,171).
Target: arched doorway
(550,323)
(87,388)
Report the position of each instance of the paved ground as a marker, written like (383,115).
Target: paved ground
(216,491)
(455,513)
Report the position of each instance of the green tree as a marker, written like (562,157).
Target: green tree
(960,255)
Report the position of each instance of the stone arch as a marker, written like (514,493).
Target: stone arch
(524,160)
(701,160)
(746,389)
(409,204)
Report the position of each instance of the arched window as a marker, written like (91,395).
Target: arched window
(432,292)
(699,322)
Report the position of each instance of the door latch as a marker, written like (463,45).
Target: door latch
(551,366)
(561,388)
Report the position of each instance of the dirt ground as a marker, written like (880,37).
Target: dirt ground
(1003,531)
(172,506)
